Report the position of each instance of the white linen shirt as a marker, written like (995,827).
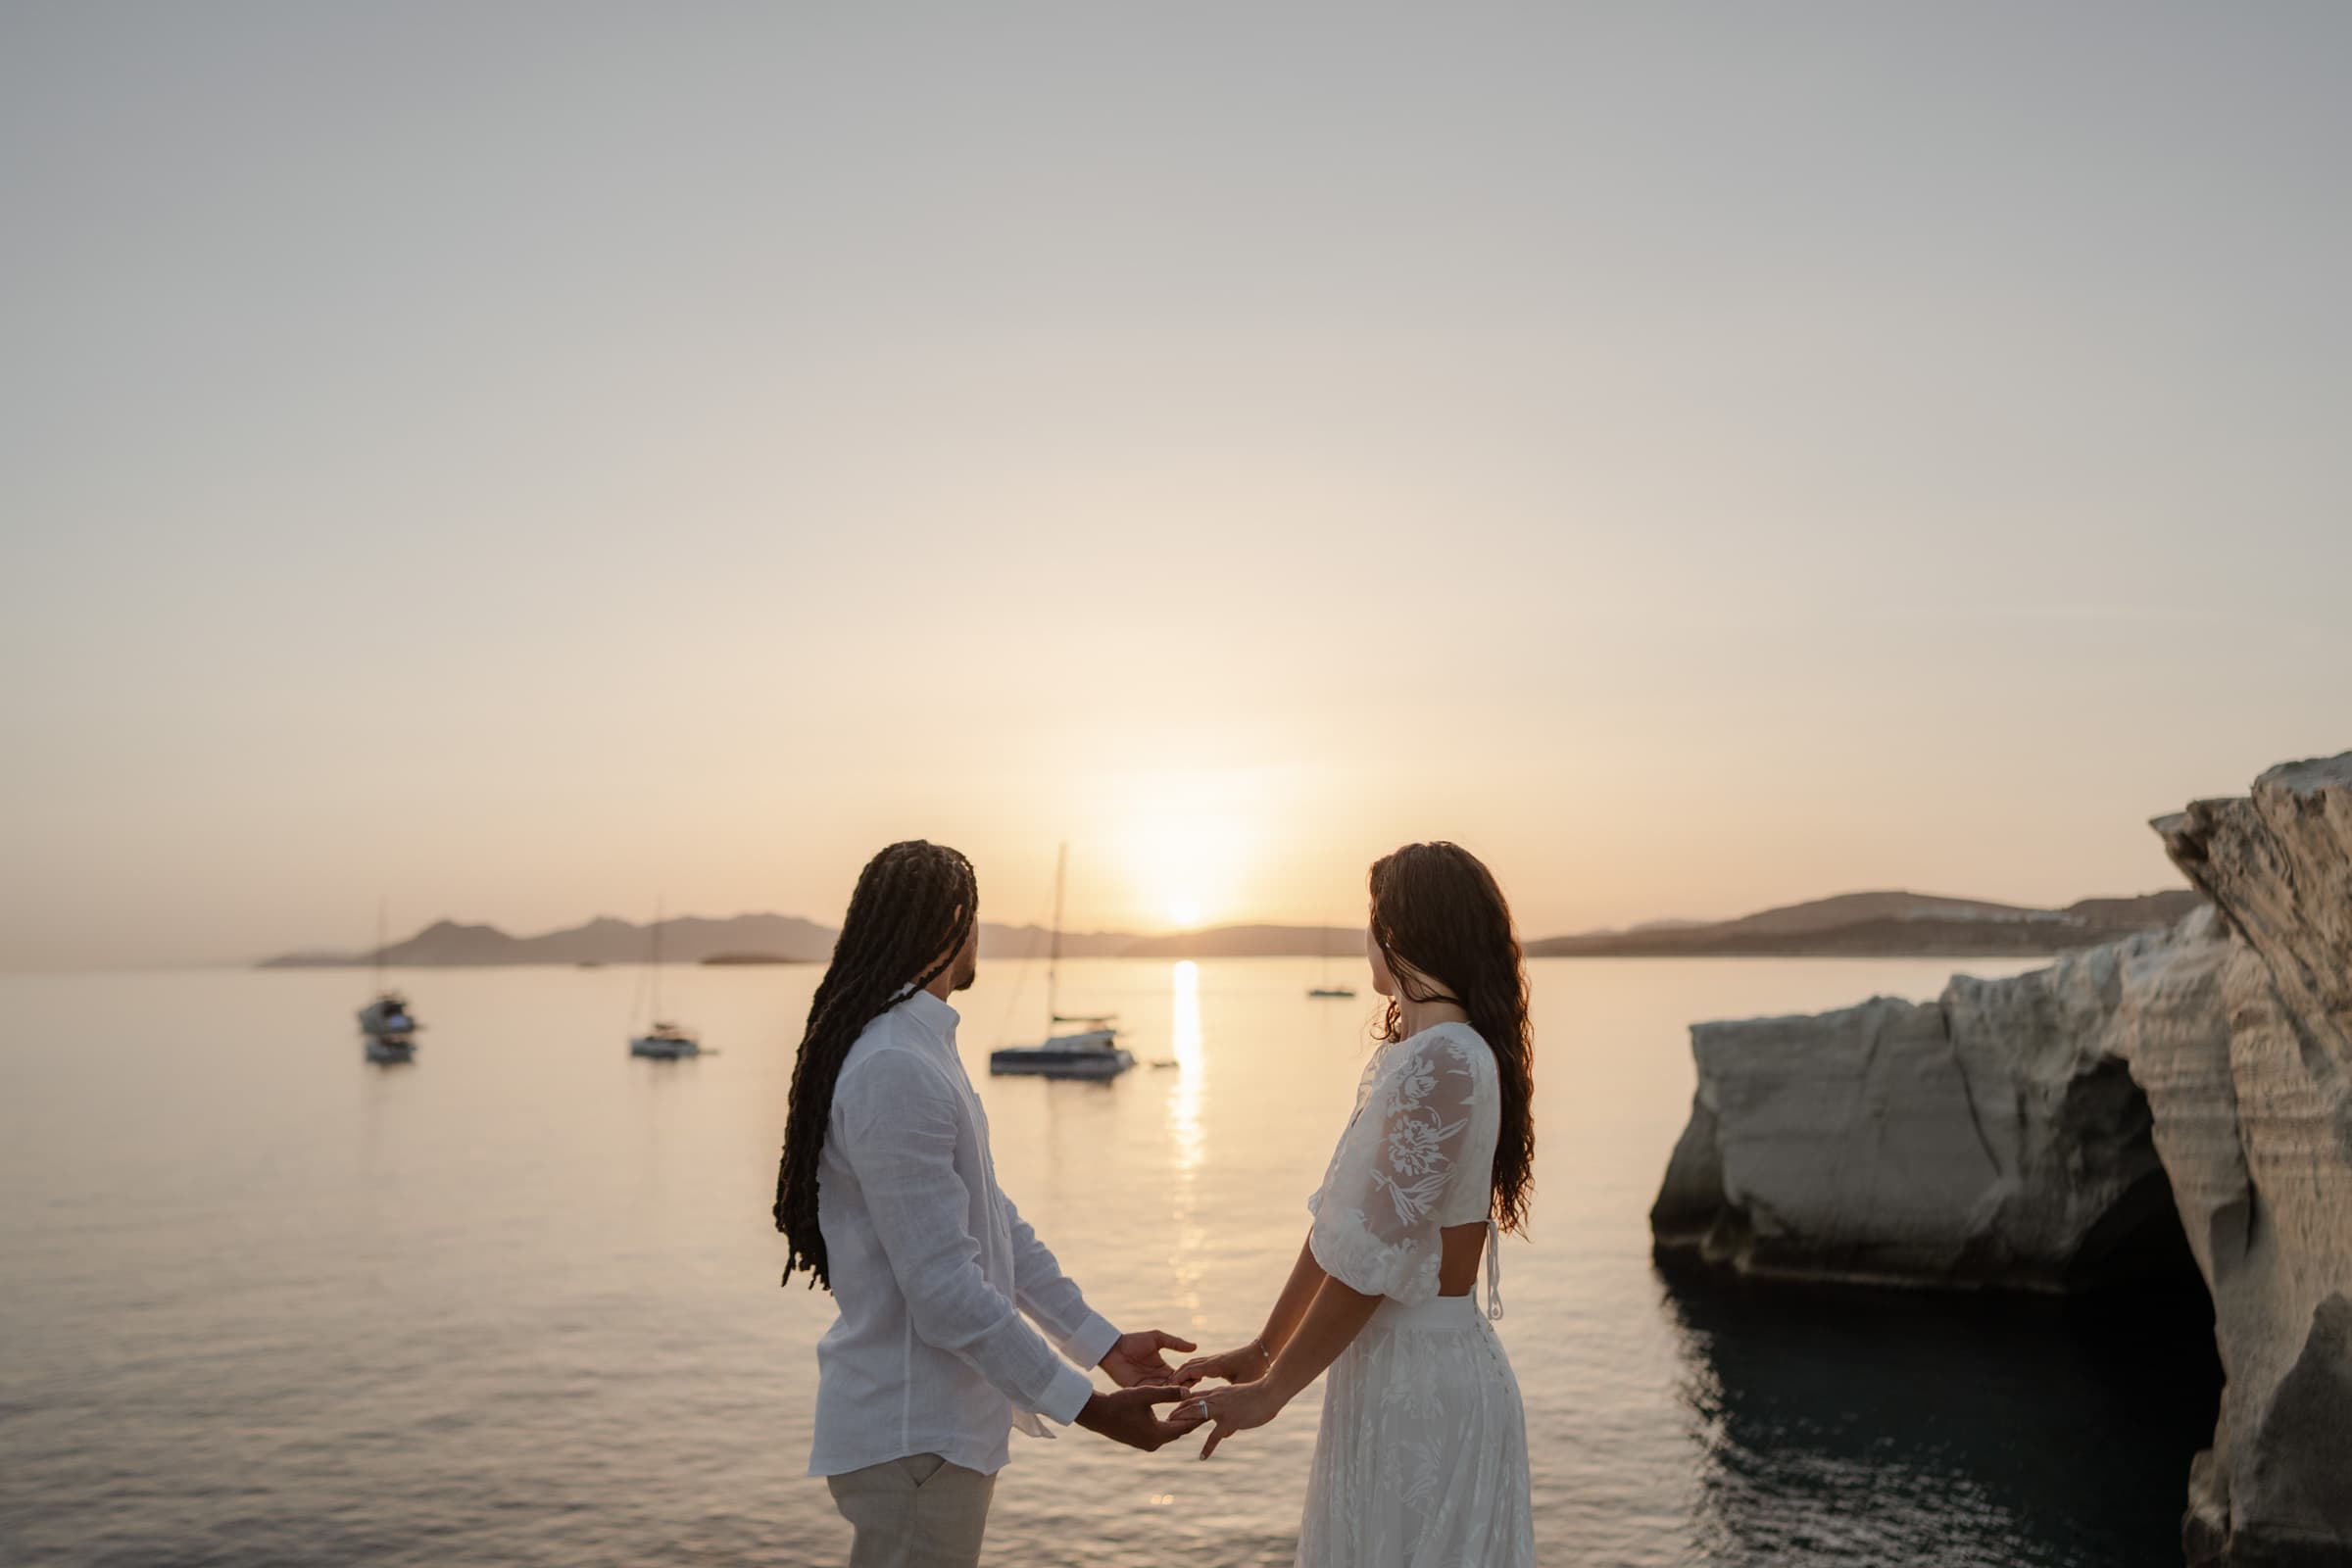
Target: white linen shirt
(932,1268)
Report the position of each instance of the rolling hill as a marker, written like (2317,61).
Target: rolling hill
(1849,925)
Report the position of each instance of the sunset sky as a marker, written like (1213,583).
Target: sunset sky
(524,460)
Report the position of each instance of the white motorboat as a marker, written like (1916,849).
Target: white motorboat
(388,1029)
(662,1041)
(1094,1052)
(387,1025)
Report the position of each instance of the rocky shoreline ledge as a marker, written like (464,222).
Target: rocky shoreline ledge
(2181,1099)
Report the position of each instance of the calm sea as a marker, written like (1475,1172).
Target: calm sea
(265,1305)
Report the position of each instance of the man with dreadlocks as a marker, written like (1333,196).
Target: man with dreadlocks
(888,1197)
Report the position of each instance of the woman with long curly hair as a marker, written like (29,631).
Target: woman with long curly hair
(1421,1461)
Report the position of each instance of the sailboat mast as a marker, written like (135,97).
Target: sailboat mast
(657,960)
(1062,865)
(380,946)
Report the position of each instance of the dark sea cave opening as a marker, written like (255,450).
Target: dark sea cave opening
(1841,1424)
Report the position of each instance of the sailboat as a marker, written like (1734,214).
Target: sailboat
(1323,986)
(387,1025)
(664,1040)
(1090,1053)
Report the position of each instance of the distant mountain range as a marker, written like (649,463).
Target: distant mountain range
(1852,924)
(789,939)
(1884,925)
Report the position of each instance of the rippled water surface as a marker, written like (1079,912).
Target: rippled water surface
(517,1303)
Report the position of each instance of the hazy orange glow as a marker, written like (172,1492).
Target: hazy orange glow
(1566,448)
(1187,846)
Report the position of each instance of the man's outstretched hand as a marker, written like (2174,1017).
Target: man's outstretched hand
(1129,1416)
(1135,1359)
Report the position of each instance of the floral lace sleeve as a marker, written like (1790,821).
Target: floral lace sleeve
(1376,1228)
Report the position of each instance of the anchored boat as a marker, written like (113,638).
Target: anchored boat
(387,1025)
(1091,1053)
(388,1029)
(664,1040)
(1323,986)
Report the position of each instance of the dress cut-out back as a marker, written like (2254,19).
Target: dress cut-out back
(1421,1460)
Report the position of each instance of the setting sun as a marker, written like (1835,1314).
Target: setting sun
(1185,845)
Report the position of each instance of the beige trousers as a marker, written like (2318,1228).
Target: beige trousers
(919,1512)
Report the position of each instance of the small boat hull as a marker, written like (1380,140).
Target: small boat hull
(1095,1054)
(1330,990)
(664,1048)
(1035,1062)
(388,1029)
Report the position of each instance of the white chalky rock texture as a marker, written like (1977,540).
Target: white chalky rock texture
(2275,1202)
(2032,1133)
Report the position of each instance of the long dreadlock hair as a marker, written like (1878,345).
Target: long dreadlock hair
(914,906)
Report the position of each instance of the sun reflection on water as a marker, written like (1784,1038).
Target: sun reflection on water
(1185,1139)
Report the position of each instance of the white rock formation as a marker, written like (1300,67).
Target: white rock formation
(2270,1210)
(1992,1136)
(2024,1134)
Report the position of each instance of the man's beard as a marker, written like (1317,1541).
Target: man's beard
(964,978)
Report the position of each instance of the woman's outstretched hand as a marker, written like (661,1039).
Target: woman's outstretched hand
(1236,1407)
(1244,1365)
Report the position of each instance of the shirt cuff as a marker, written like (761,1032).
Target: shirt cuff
(1091,1340)
(1066,1394)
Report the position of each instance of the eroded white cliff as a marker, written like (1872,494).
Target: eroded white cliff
(2275,1201)
(1993,1137)
(2030,1133)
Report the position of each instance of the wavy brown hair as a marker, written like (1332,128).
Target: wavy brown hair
(1441,920)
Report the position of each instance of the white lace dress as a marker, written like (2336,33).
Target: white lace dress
(1421,1461)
